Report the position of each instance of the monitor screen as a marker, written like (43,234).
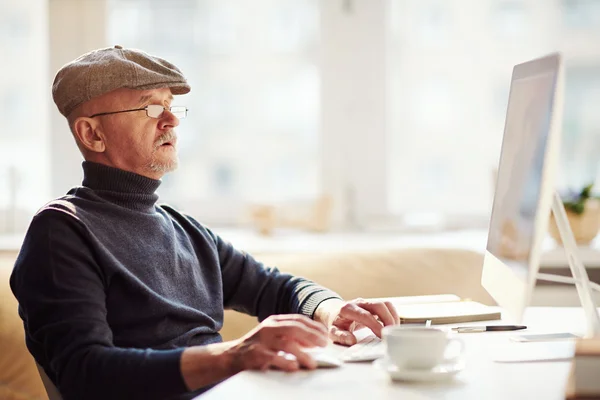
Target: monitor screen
(520,172)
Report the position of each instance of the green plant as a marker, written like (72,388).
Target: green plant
(575,201)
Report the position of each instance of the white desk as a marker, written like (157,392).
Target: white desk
(482,378)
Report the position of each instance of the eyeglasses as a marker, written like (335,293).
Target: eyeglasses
(153,111)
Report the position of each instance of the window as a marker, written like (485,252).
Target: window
(581,140)
(578,14)
(252,128)
(430,21)
(448,105)
(510,18)
(24,154)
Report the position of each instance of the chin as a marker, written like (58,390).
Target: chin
(164,166)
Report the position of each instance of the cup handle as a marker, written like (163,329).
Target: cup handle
(461,344)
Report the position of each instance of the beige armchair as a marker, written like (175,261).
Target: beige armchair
(19,378)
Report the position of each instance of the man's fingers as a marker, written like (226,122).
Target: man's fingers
(381,310)
(301,319)
(342,336)
(293,349)
(393,311)
(294,330)
(284,361)
(357,314)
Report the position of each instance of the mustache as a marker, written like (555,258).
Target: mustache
(168,136)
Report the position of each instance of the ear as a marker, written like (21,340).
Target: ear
(89,133)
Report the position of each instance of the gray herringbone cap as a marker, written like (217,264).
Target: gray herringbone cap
(104,70)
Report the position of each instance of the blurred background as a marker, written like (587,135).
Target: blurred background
(392,111)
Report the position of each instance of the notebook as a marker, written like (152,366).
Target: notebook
(442,309)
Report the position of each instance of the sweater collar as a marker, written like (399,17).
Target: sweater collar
(121,187)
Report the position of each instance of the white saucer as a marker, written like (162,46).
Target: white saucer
(442,372)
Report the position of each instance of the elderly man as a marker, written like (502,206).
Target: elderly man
(124,298)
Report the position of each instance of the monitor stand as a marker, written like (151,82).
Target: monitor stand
(559,346)
(580,277)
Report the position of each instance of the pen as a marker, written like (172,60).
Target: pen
(488,328)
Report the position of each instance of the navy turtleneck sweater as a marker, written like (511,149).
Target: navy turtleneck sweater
(112,287)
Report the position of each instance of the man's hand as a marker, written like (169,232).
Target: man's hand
(273,340)
(342,318)
(268,345)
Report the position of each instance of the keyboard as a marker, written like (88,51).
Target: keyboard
(367,349)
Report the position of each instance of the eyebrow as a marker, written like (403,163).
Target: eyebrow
(147,97)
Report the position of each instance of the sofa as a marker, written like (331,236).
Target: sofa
(394,272)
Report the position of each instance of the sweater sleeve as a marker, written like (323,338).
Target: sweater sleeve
(252,288)
(61,294)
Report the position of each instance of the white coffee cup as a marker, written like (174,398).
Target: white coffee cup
(419,347)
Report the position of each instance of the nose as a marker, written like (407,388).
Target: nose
(168,120)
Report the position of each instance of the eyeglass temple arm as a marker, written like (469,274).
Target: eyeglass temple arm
(115,112)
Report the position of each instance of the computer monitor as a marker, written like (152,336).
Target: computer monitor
(525,194)
(525,188)
(524,184)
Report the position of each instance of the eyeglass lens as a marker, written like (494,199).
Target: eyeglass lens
(155,111)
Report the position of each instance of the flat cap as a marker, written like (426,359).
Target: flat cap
(104,70)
